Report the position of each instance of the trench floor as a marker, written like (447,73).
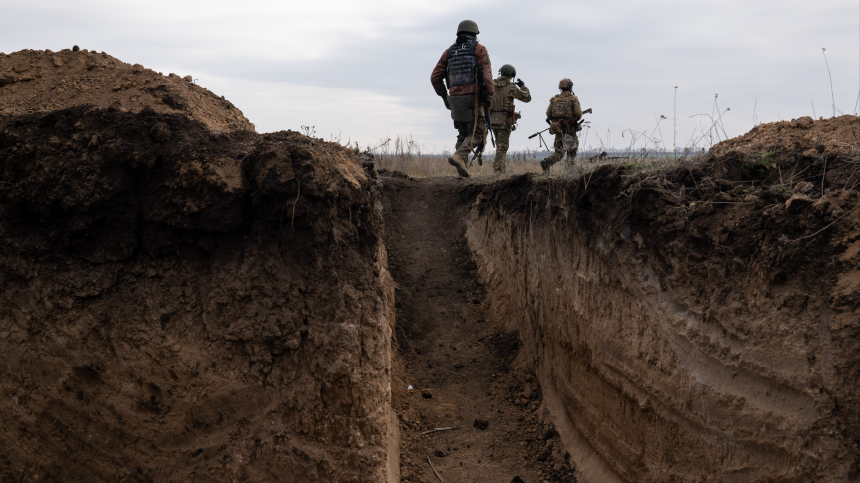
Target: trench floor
(461,366)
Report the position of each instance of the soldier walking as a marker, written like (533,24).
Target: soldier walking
(563,115)
(503,116)
(465,69)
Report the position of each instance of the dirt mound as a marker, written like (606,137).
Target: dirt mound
(696,323)
(804,136)
(178,304)
(40,81)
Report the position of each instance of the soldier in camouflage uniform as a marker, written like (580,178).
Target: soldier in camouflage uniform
(563,115)
(503,117)
(465,68)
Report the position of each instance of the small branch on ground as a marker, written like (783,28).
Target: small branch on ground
(434,470)
(439,429)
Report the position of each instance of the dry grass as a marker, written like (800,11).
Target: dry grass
(434,165)
(405,155)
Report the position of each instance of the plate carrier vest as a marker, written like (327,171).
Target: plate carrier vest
(462,65)
(502,106)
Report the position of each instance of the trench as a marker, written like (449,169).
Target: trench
(653,354)
(220,306)
(453,368)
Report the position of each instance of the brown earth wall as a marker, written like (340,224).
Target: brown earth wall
(182,305)
(676,341)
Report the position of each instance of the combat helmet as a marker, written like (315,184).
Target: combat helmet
(565,84)
(508,70)
(468,27)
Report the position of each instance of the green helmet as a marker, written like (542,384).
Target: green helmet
(467,26)
(508,70)
(565,84)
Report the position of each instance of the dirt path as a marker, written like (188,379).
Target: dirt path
(457,363)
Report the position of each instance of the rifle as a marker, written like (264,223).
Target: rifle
(538,133)
(487,119)
(482,104)
(578,124)
(541,142)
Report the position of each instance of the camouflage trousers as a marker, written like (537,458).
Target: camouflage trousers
(503,141)
(565,143)
(465,143)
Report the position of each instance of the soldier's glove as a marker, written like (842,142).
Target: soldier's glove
(520,83)
(445,100)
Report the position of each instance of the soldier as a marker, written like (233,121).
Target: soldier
(503,117)
(563,115)
(465,68)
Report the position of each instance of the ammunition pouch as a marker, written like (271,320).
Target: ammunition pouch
(561,126)
(462,108)
(500,119)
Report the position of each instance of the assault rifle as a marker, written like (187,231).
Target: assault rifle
(482,102)
(578,128)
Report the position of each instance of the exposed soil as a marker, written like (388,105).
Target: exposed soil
(694,324)
(837,135)
(183,305)
(43,81)
(457,361)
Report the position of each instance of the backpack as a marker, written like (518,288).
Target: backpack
(561,108)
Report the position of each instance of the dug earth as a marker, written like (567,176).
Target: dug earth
(211,308)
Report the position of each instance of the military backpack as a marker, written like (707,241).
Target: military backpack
(561,108)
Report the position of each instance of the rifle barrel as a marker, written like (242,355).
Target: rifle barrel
(535,134)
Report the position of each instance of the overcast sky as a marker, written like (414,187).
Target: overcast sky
(360,71)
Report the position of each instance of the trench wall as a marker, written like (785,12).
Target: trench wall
(678,343)
(178,304)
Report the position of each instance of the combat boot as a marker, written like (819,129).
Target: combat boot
(456,161)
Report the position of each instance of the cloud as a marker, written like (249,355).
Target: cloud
(284,62)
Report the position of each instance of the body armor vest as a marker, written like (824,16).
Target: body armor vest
(502,100)
(462,65)
(561,108)
(502,106)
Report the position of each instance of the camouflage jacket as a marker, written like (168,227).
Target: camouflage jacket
(566,107)
(506,92)
(485,74)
